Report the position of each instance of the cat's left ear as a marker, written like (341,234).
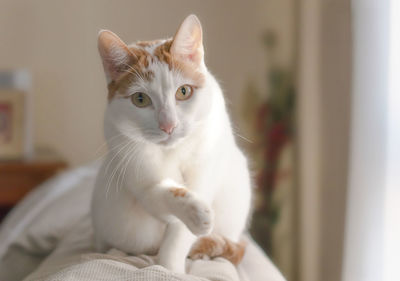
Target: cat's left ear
(115,54)
(188,41)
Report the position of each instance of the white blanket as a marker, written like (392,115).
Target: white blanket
(49,237)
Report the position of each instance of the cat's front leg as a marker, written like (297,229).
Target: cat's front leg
(191,210)
(175,247)
(186,216)
(168,201)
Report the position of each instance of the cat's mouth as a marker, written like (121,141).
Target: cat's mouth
(168,141)
(171,140)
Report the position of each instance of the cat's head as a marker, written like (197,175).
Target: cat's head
(158,89)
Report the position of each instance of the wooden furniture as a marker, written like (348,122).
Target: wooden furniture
(18,177)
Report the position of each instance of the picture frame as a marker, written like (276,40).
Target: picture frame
(15,115)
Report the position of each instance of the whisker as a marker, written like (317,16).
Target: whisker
(116,167)
(121,169)
(132,155)
(126,143)
(107,142)
(242,137)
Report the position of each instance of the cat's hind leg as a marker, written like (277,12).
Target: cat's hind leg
(215,245)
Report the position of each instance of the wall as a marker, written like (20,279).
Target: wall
(309,139)
(324,115)
(336,96)
(56,40)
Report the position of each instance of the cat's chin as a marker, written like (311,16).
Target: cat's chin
(170,142)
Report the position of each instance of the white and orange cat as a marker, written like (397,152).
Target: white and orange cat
(173,171)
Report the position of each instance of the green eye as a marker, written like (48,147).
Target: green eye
(184,92)
(140,99)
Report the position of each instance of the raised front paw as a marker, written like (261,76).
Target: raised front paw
(191,210)
(198,217)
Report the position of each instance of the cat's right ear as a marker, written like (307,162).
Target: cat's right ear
(115,54)
(188,41)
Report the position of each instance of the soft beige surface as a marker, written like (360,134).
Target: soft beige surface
(95,268)
(73,259)
(49,237)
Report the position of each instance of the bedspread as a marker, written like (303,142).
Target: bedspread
(49,236)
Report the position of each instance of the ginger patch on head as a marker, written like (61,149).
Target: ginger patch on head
(178,192)
(134,72)
(120,86)
(142,57)
(145,44)
(139,68)
(163,54)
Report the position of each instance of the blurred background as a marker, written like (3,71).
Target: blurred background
(311,89)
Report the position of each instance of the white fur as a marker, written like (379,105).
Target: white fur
(133,207)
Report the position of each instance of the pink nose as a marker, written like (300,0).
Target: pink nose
(168,127)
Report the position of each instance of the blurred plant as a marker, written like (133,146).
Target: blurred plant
(272,130)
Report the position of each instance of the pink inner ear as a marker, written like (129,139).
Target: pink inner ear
(117,64)
(187,42)
(193,55)
(114,53)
